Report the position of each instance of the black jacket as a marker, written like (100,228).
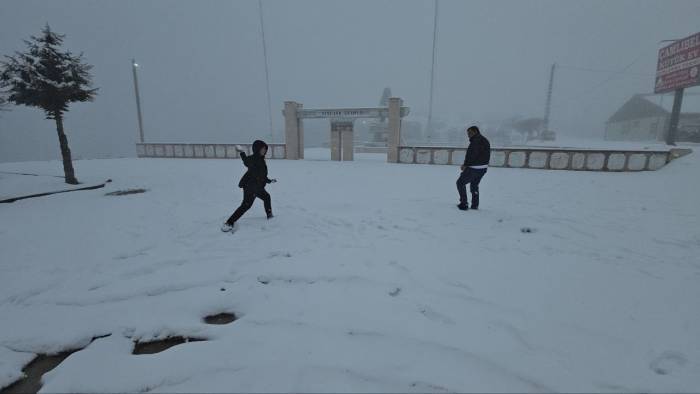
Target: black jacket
(256,176)
(478,152)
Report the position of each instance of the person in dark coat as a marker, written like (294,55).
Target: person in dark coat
(253,183)
(476,163)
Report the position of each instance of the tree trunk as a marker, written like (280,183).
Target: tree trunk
(65,152)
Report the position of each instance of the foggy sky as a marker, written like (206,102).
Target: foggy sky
(202,73)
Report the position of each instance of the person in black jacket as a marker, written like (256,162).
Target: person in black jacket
(476,162)
(253,183)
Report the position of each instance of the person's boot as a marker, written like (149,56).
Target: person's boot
(270,215)
(227,227)
(475,200)
(463,206)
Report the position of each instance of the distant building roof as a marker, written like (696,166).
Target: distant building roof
(635,108)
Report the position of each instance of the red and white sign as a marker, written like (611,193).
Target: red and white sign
(678,65)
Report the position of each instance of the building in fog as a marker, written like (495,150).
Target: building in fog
(640,119)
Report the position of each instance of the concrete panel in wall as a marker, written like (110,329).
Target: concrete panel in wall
(423,156)
(637,162)
(458,157)
(278,152)
(188,150)
(198,150)
(578,160)
(220,151)
(595,161)
(616,162)
(158,151)
(178,151)
(140,150)
(516,159)
(537,159)
(657,160)
(559,161)
(406,156)
(169,151)
(149,150)
(498,159)
(209,151)
(231,152)
(441,156)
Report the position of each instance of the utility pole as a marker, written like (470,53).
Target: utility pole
(267,72)
(675,116)
(134,66)
(548,105)
(429,125)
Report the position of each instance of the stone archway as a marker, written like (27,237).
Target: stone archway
(342,127)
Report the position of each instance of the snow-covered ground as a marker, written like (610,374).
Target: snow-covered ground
(367,279)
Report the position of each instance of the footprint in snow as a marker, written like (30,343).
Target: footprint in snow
(668,362)
(436,316)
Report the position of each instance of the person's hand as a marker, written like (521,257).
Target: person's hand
(461,168)
(273,180)
(239,149)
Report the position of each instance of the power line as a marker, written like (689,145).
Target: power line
(617,73)
(597,70)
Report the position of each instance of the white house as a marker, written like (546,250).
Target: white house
(639,119)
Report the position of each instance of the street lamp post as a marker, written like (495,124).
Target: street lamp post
(134,66)
(429,125)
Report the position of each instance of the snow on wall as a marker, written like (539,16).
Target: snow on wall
(657,161)
(616,161)
(208,151)
(559,160)
(538,160)
(441,157)
(595,161)
(516,159)
(578,161)
(406,156)
(546,158)
(458,156)
(498,159)
(423,156)
(637,162)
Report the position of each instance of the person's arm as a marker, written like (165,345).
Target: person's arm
(244,157)
(468,157)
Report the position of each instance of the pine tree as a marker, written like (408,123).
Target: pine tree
(50,79)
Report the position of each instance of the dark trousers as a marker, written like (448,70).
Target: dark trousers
(472,177)
(249,195)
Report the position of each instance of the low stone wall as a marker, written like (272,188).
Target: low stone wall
(204,151)
(548,158)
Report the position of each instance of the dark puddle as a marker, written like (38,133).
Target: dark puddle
(221,318)
(160,345)
(35,370)
(126,192)
(41,364)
